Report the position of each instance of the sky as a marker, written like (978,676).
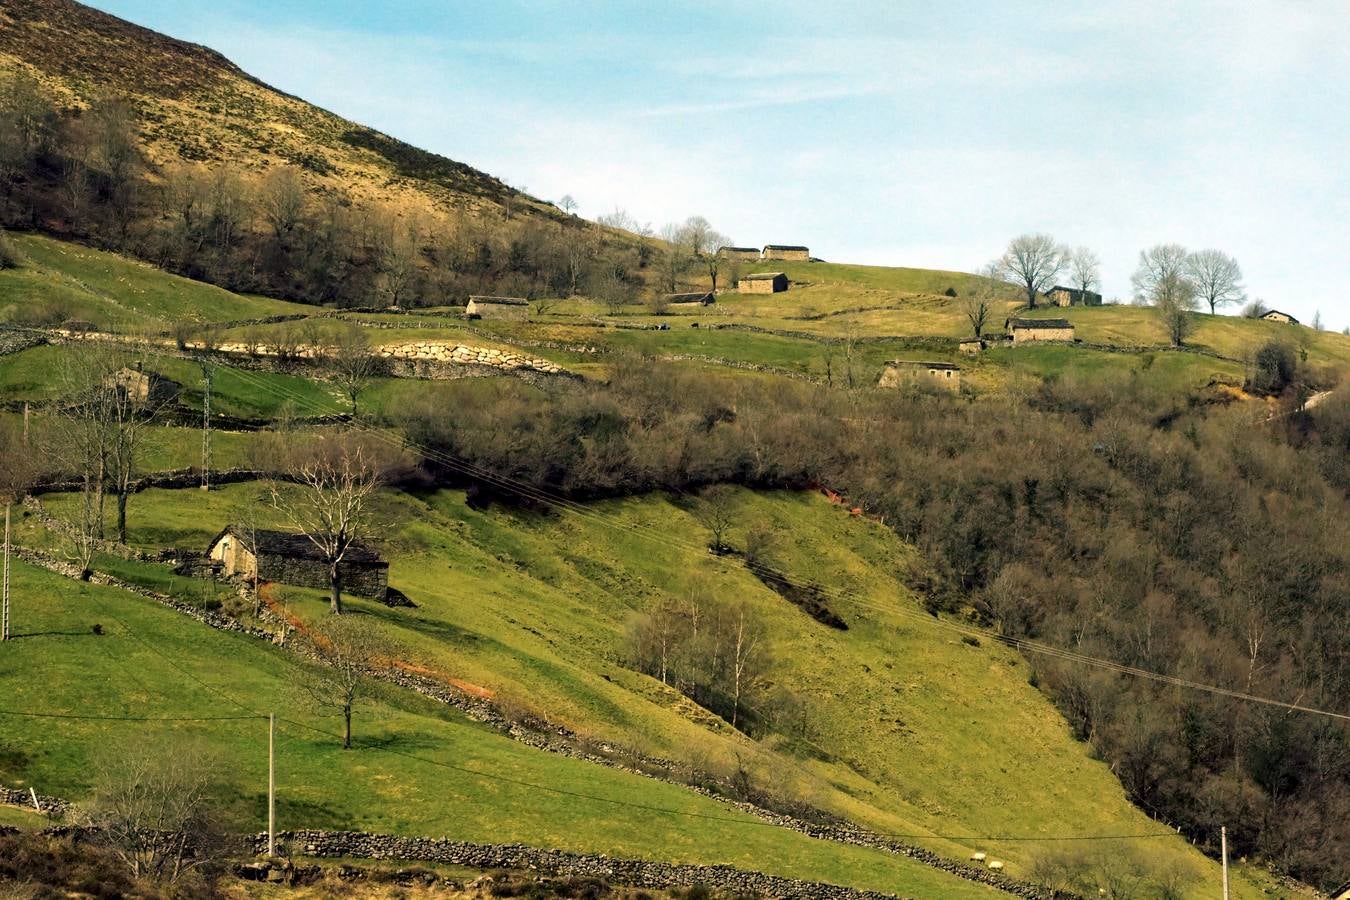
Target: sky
(893,133)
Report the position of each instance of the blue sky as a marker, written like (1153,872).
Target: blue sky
(901,133)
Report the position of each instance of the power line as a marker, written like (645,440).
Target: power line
(542,495)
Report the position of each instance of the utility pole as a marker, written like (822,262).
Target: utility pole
(1223,841)
(206,427)
(4,589)
(271,786)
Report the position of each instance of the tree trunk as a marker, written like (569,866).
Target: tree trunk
(335,579)
(122,492)
(1031,297)
(4,588)
(347,726)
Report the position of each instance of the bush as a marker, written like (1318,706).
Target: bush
(1274,368)
(950,292)
(9,255)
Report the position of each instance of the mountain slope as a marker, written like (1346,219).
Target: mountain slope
(194,105)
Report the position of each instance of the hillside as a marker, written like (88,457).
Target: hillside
(195,106)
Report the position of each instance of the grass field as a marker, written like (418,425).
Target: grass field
(118,293)
(418,767)
(912,731)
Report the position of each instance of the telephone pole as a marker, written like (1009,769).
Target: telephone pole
(4,589)
(271,786)
(1223,842)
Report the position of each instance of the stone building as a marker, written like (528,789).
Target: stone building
(763,283)
(697,298)
(971,345)
(786,251)
(497,308)
(900,372)
(1276,316)
(1067,296)
(1022,331)
(738,252)
(293,559)
(140,386)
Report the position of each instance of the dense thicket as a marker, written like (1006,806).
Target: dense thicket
(80,173)
(1195,542)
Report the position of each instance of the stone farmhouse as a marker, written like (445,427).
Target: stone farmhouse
(1023,331)
(293,559)
(140,386)
(763,283)
(1067,296)
(480,307)
(900,372)
(786,251)
(696,298)
(738,252)
(1276,316)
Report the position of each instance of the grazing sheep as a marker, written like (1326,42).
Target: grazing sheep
(977,857)
(996,865)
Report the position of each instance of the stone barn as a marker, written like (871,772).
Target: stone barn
(763,283)
(697,298)
(1276,316)
(141,386)
(738,252)
(971,345)
(786,251)
(293,559)
(1067,296)
(1023,331)
(899,372)
(497,308)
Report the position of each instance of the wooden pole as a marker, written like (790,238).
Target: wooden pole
(1223,840)
(271,786)
(206,428)
(4,588)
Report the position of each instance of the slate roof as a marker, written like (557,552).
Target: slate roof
(500,301)
(295,546)
(1040,323)
(1269,312)
(920,364)
(737,249)
(785,247)
(761,276)
(695,297)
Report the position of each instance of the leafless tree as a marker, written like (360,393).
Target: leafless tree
(1085,269)
(676,259)
(83,436)
(349,651)
(400,250)
(1316,323)
(567,204)
(152,808)
(1033,262)
(703,241)
(982,300)
(335,479)
(130,415)
(1162,279)
(354,362)
(746,646)
(282,202)
(17,475)
(1255,309)
(717,512)
(1217,278)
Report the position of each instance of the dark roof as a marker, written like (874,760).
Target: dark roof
(1342,890)
(155,377)
(1071,290)
(295,546)
(759,276)
(739,249)
(1039,323)
(920,364)
(503,301)
(785,247)
(1280,312)
(695,297)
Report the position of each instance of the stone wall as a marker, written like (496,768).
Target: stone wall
(1026,335)
(461,354)
(16,340)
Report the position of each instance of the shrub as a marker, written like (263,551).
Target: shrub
(1274,368)
(9,255)
(950,292)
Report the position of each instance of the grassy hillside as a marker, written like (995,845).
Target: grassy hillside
(910,730)
(153,662)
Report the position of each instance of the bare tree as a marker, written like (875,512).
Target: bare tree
(703,241)
(82,439)
(567,204)
(152,808)
(400,249)
(746,646)
(1217,278)
(335,479)
(676,259)
(1033,261)
(16,476)
(282,203)
(1085,269)
(717,513)
(1316,323)
(349,651)
(354,362)
(131,410)
(1162,279)
(982,300)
